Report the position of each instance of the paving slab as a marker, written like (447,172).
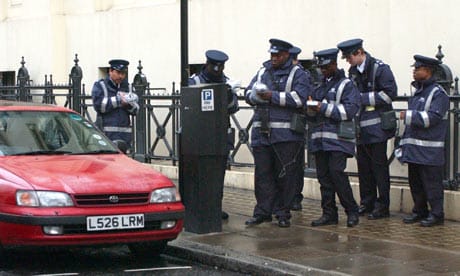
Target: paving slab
(374,247)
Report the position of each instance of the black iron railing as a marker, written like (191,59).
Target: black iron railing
(157,125)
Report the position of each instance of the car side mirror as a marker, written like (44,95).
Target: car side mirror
(121,145)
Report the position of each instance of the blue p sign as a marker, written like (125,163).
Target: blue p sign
(207,95)
(207,100)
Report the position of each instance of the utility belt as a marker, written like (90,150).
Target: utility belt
(345,129)
(297,124)
(387,120)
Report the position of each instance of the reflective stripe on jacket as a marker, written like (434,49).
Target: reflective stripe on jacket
(116,121)
(426,125)
(378,89)
(290,88)
(340,102)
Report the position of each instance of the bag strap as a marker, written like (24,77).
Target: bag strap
(196,78)
(291,78)
(373,75)
(430,98)
(339,93)
(104,88)
(260,73)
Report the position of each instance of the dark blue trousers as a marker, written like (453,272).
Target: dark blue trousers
(374,175)
(330,168)
(275,178)
(426,187)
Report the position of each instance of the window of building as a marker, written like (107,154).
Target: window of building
(195,68)
(7,78)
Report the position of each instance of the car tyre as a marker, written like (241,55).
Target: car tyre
(3,256)
(147,249)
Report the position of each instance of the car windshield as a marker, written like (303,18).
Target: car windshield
(47,132)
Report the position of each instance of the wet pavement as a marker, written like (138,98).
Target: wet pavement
(377,247)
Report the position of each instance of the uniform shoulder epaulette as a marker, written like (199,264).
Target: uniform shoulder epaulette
(379,62)
(441,89)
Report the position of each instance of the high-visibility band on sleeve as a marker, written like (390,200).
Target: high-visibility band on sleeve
(408,120)
(385,97)
(342,111)
(296,98)
(329,109)
(104,102)
(114,101)
(372,98)
(282,98)
(425,118)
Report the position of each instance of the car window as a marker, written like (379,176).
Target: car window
(44,132)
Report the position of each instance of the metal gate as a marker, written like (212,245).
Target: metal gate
(157,124)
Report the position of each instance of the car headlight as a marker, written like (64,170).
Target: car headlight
(164,195)
(43,199)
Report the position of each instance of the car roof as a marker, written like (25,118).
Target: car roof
(30,106)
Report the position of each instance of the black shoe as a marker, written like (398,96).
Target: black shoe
(324,220)
(362,210)
(284,223)
(413,218)
(296,206)
(431,221)
(352,220)
(224,215)
(257,220)
(378,214)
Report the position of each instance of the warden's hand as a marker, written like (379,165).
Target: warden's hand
(402,115)
(266,95)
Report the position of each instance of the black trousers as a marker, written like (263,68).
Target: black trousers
(275,177)
(330,168)
(374,175)
(426,186)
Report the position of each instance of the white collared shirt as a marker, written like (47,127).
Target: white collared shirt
(362,66)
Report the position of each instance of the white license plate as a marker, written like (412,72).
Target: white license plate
(99,223)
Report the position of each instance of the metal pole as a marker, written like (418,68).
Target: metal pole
(456,129)
(184,41)
(183,82)
(76,75)
(140,87)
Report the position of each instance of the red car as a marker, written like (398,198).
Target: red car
(62,182)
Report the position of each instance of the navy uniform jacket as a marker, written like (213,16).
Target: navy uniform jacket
(325,124)
(377,94)
(116,122)
(426,125)
(283,103)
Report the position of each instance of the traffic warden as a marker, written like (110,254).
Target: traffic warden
(422,144)
(334,103)
(213,72)
(114,102)
(278,92)
(298,197)
(377,124)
